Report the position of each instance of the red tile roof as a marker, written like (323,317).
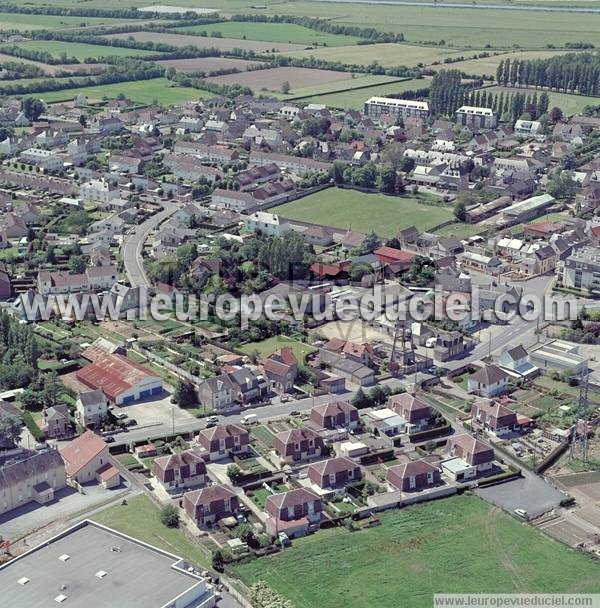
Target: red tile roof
(81,451)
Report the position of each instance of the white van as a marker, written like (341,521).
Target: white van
(249,419)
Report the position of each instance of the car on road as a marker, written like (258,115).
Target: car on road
(120,415)
(294,413)
(131,422)
(109,439)
(249,419)
(522,513)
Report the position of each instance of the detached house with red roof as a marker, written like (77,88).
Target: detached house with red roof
(416,412)
(493,416)
(87,459)
(414,476)
(178,471)
(334,474)
(120,379)
(293,512)
(469,457)
(207,506)
(335,415)
(281,369)
(224,439)
(296,445)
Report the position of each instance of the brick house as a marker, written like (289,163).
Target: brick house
(493,416)
(293,512)
(176,471)
(335,415)
(281,369)
(478,456)
(298,444)
(208,505)
(334,473)
(221,440)
(359,352)
(414,476)
(415,411)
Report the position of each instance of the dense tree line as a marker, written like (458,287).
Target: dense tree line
(13,70)
(511,106)
(447,93)
(18,353)
(573,72)
(197,82)
(72,11)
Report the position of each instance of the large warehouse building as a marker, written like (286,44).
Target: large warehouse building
(90,565)
(121,380)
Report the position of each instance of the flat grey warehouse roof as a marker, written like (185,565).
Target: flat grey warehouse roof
(92,566)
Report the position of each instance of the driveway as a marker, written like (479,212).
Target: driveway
(530,493)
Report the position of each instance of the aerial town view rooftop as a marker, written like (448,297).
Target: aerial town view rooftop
(299,303)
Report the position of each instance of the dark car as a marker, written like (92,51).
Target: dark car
(131,422)
(109,439)
(294,413)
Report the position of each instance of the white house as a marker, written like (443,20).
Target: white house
(266,223)
(488,381)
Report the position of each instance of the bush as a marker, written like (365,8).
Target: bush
(169,516)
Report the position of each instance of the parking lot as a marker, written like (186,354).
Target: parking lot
(154,411)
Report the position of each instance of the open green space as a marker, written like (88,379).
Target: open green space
(459,231)
(140,518)
(386,54)
(363,212)
(17,21)
(457,545)
(270,345)
(80,50)
(355,99)
(569,104)
(271,32)
(263,434)
(141,91)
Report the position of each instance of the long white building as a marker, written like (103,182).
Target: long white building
(374,106)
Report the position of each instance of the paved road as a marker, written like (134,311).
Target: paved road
(134,243)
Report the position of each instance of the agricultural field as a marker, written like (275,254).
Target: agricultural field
(16,21)
(141,91)
(272,78)
(223,44)
(486,66)
(351,209)
(72,68)
(80,50)
(491,552)
(207,64)
(387,54)
(272,32)
(354,100)
(270,345)
(569,104)
(356,81)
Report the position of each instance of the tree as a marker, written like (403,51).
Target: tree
(393,155)
(77,264)
(262,596)
(460,211)
(10,431)
(218,561)
(360,399)
(233,472)
(562,185)
(371,242)
(245,532)
(32,108)
(556,114)
(285,87)
(169,516)
(185,394)
(387,180)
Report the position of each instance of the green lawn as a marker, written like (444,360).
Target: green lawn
(140,518)
(80,50)
(569,104)
(141,91)
(456,545)
(16,21)
(263,434)
(460,231)
(355,100)
(270,345)
(386,215)
(271,32)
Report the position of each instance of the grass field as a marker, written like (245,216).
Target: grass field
(459,231)
(387,55)
(142,91)
(140,518)
(569,104)
(80,50)
(458,545)
(354,100)
(269,346)
(16,21)
(271,32)
(386,215)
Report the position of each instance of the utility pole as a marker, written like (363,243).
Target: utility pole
(582,414)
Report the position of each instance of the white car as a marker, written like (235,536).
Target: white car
(521,513)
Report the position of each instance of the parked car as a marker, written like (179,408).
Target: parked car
(109,439)
(294,413)
(131,422)
(249,419)
(522,513)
